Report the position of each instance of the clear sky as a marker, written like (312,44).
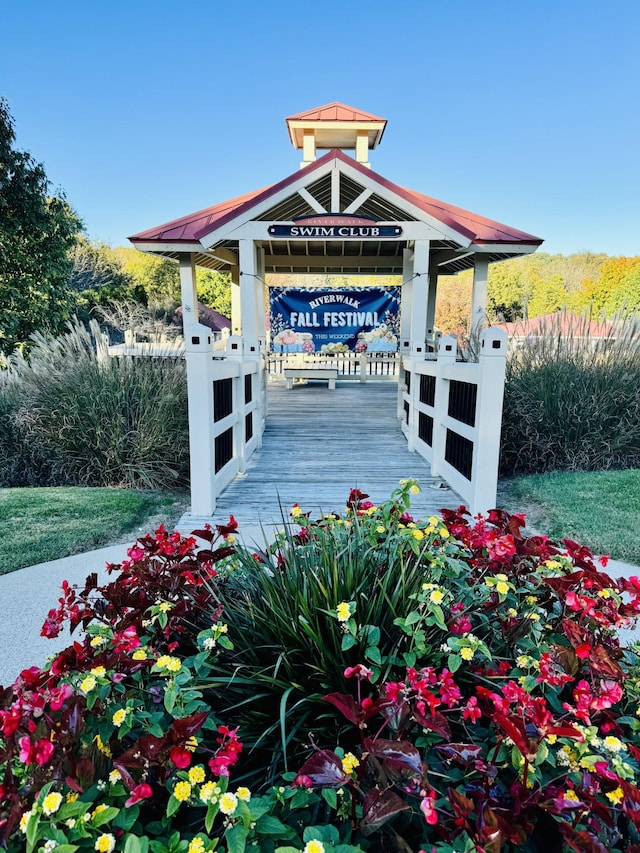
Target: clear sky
(528,113)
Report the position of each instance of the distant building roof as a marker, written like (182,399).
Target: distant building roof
(562,323)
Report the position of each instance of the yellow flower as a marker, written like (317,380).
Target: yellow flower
(165,607)
(100,671)
(418,534)
(415,490)
(552,564)
(380,528)
(139,654)
(167,662)
(162,661)
(24,820)
(87,684)
(97,641)
(243,794)
(313,846)
(615,796)
(343,611)
(182,791)
(531,599)
(228,803)
(349,763)
(512,612)
(534,617)
(196,775)
(501,577)
(99,808)
(502,587)
(118,717)
(114,777)
(437,596)
(231,539)
(613,744)
(466,653)
(51,803)
(208,791)
(571,795)
(196,845)
(104,748)
(604,593)
(105,843)
(433,521)
(221,628)
(71,797)
(444,533)
(295,511)
(552,739)
(191,744)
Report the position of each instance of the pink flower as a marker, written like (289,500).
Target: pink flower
(140,792)
(428,808)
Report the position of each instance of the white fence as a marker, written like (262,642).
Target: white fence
(350,365)
(452,415)
(226,413)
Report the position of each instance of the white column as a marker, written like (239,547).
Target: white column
(405,300)
(236,319)
(431,302)
(261,320)
(362,148)
(419,297)
(447,352)
(188,290)
(308,148)
(248,270)
(479,295)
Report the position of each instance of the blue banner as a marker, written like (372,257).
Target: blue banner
(328,321)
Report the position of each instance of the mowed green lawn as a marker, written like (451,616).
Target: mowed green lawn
(600,509)
(40,524)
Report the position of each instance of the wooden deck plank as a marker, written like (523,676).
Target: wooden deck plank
(318,445)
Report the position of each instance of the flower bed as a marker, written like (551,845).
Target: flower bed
(364,682)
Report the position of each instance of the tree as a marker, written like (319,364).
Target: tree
(214,290)
(37,230)
(158,277)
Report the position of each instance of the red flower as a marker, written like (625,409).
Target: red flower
(181,757)
(140,792)
(471,711)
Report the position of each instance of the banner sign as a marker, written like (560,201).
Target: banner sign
(328,321)
(334,226)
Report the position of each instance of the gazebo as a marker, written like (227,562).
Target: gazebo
(335,214)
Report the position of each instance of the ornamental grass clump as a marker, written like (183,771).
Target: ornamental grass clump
(443,685)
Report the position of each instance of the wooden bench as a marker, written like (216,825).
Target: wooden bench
(305,373)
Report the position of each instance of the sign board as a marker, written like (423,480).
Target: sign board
(335,227)
(329,321)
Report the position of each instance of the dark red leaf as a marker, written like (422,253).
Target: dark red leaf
(379,807)
(603,664)
(465,753)
(581,842)
(399,751)
(462,805)
(324,769)
(514,728)
(346,704)
(436,722)
(207,535)
(186,727)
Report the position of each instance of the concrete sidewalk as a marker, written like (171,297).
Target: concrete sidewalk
(27,595)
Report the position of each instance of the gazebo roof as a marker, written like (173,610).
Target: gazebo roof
(387,201)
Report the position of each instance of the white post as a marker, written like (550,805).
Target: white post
(198,349)
(236,319)
(404,344)
(419,297)
(188,290)
(493,356)
(431,304)
(248,271)
(447,352)
(479,294)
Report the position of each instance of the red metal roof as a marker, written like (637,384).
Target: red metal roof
(335,111)
(191,228)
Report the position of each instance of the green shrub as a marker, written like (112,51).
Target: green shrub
(572,403)
(98,422)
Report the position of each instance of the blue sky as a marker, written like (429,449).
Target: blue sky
(528,113)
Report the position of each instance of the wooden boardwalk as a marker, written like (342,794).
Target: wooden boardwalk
(318,444)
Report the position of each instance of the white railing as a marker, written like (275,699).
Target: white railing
(226,413)
(350,365)
(452,415)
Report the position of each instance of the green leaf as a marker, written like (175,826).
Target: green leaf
(32,831)
(270,825)
(413,617)
(236,838)
(172,806)
(170,696)
(126,818)
(212,811)
(348,641)
(330,796)
(104,816)
(132,844)
(454,662)
(373,654)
